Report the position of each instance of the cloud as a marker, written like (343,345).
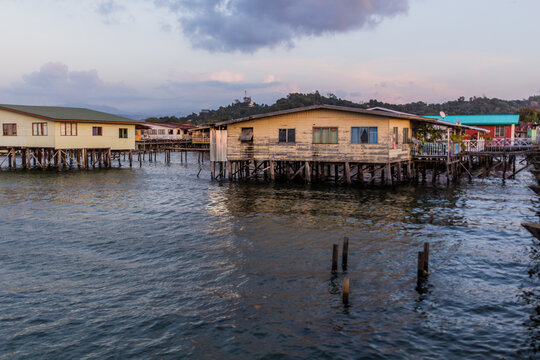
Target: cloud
(55,84)
(268,79)
(249,25)
(111,12)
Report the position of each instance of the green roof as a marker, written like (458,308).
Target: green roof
(67,113)
(480,119)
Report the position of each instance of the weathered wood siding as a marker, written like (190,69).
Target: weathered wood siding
(266,145)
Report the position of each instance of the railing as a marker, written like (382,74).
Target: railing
(439,148)
(429,149)
(200,139)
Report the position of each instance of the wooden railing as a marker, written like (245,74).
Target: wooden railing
(200,139)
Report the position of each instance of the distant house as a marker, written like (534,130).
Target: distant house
(55,127)
(164,131)
(200,135)
(499,126)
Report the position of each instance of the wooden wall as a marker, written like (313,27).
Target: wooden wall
(265,144)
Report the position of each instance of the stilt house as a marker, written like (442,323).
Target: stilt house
(47,133)
(307,141)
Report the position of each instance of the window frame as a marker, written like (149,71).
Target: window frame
(72,127)
(246,135)
(39,129)
(287,137)
(395,135)
(9,129)
(370,131)
(122,133)
(406,139)
(498,132)
(97,130)
(329,140)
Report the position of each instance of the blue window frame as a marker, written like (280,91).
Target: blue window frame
(364,135)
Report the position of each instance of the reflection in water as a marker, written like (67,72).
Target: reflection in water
(155,262)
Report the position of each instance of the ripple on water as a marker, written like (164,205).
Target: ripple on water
(155,262)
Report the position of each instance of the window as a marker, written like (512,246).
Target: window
(122,133)
(10,129)
(178,132)
(39,129)
(395,136)
(97,131)
(287,135)
(499,131)
(68,129)
(325,135)
(153,132)
(406,139)
(171,132)
(364,135)
(161,131)
(246,135)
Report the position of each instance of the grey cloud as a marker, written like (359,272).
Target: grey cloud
(248,25)
(55,84)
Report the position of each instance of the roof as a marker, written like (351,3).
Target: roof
(57,113)
(377,112)
(480,119)
(169,125)
(200,128)
(389,110)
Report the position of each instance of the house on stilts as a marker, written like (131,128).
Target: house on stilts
(58,137)
(321,142)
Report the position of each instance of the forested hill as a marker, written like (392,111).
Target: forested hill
(527,108)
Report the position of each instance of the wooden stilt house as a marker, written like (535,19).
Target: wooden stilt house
(318,141)
(50,135)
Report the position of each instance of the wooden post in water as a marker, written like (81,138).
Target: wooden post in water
(130,159)
(426,258)
(346,291)
(345,254)
(348,173)
(335,251)
(272,171)
(431,216)
(420,270)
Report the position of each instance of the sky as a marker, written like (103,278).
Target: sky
(174,57)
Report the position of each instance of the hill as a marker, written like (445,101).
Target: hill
(527,108)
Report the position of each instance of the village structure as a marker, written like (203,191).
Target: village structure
(343,145)
(352,145)
(57,137)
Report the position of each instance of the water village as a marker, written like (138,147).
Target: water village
(319,143)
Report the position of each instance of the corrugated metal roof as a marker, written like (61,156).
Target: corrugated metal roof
(67,113)
(480,119)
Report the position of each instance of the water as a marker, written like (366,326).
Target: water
(154,262)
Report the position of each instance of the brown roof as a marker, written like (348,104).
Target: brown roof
(171,125)
(381,112)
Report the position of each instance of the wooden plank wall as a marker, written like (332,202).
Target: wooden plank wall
(265,144)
